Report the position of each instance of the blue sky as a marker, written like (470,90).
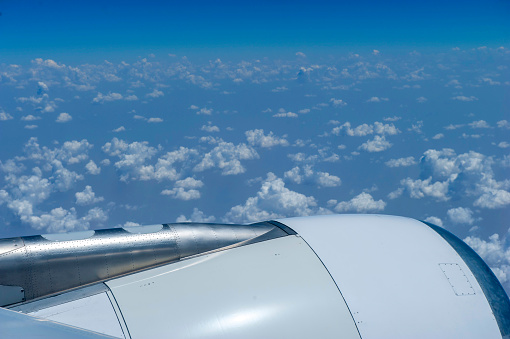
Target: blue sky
(127,113)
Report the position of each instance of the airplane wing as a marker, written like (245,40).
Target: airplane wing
(336,276)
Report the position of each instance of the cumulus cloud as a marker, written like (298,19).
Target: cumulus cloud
(196,216)
(273,200)
(377,99)
(154,120)
(306,175)
(100,98)
(362,203)
(155,94)
(496,253)
(461,215)
(464,98)
(92,168)
(337,102)
(227,157)
(365,129)
(5,116)
(257,137)
(434,220)
(401,162)
(87,197)
(378,144)
(479,124)
(210,128)
(186,189)
(64,117)
(120,129)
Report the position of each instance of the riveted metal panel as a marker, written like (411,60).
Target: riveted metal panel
(42,267)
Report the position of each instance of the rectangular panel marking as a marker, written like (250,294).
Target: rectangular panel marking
(457,279)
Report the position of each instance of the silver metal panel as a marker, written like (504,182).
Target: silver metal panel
(18,325)
(272,289)
(11,294)
(457,279)
(68,236)
(43,267)
(387,270)
(94,313)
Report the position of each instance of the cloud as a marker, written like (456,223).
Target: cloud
(100,98)
(496,253)
(503,124)
(5,116)
(257,137)
(378,144)
(401,162)
(133,157)
(64,117)
(285,115)
(435,221)
(273,200)
(377,99)
(464,98)
(87,197)
(438,136)
(196,216)
(461,215)
(421,100)
(504,144)
(119,129)
(337,102)
(155,120)
(155,94)
(30,117)
(362,203)
(92,168)
(479,124)
(185,189)
(227,157)
(306,175)
(365,129)
(493,198)
(210,128)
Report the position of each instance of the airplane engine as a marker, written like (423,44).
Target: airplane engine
(334,276)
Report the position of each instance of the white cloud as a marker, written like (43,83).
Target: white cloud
(273,200)
(401,162)
(285,115)
(120,129)
(196,216)
(31,126)
(479,124)
(438,136)
(5,116)
(435,221)
(365,129)
(378,144)
(100,98)
(503,124)
(418,189)
(87,197)
(496,253)
(227,157)
(210,128)
(30,117)
(64,117)
(421,100)
(493,198)
(504,144)
(205,111)
(377,99)
(306,175)
(361,203)
(337,102)
(257,137)
(461,215)
(464,98)
(155,120)
(92,168)
(155,94)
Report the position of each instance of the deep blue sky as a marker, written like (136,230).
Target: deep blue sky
(117,28)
